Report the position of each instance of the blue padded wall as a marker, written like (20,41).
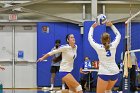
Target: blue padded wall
(135,41)
(88,50)
(43,46)
(57,30)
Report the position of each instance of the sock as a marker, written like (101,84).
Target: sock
(63,86)
(52,85)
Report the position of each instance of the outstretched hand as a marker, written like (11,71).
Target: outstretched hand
(40,59)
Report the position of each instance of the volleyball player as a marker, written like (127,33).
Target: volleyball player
(108,69)
(69,53)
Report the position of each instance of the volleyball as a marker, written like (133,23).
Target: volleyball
(101,19)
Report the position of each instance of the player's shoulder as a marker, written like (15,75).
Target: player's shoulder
(67,46)
(100,46)
(53,48)
(64,46)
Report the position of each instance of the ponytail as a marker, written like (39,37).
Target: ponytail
(67,38)
(107,46)
(105,39)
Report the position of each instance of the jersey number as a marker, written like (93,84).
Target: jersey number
(108,53)
(86,65)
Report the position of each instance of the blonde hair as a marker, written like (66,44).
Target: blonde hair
(105,39)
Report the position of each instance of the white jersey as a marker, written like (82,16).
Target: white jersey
(68,56)
(107,65)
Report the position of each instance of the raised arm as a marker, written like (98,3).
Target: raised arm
(61,49)
(90,37)
(116,32)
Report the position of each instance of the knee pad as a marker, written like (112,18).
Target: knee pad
(79,88)
(108,91)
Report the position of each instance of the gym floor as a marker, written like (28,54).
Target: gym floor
(41,91)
